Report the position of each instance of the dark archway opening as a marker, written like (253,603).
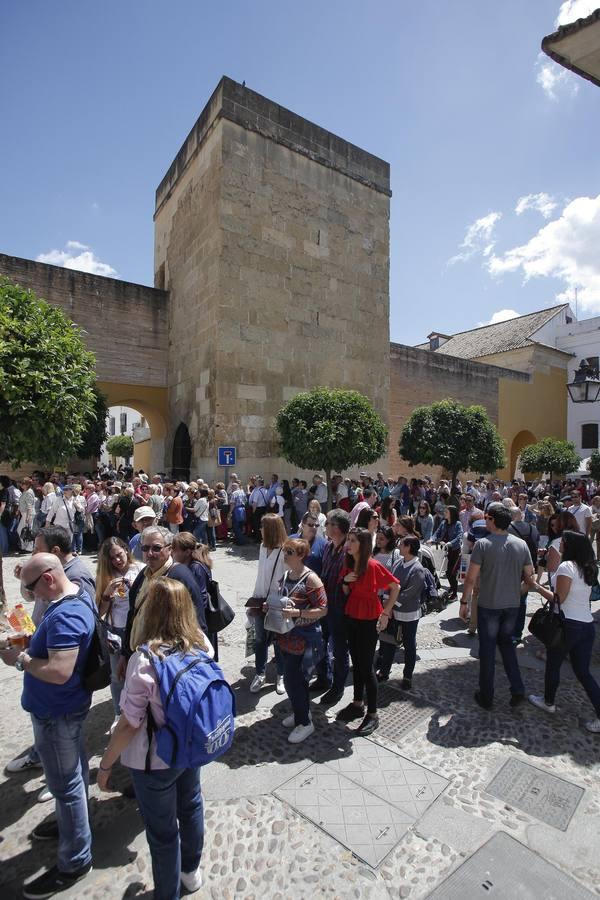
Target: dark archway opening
(182,454)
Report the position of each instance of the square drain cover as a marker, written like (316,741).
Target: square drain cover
(389,776)
(506,868)
(368,826)
(539,794)
(399,714)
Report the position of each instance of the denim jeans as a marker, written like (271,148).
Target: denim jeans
(580,640)
(170,802)
(261,647)
(4,547)
(116,683)
(239,529)
(212,537)
(520,622)
(335,665)
(77,545)
(200,532)
(296,685)
(495,628)
(387,651)
(59,743)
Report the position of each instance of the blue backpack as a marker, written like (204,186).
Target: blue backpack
(199,709)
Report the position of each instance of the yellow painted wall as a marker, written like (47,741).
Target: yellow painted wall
(151,402)
(141,455)
(539,407)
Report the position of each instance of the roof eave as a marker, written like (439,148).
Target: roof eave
(565,31)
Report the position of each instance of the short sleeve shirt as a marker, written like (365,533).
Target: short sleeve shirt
(502,558)
(363,600)
(66,624)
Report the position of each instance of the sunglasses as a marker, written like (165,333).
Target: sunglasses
(154,548)
(32,584)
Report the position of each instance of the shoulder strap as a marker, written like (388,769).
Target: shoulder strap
(273,571)
(68,514)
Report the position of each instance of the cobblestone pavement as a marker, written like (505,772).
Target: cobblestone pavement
(258,846)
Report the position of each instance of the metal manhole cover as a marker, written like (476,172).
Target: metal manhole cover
(544,796)
(399,712)
(395,779)
(506,868)
(368,826)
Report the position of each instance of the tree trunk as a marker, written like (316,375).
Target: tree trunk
(454,477)
(328,482)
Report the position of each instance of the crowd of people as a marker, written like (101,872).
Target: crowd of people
(344,575)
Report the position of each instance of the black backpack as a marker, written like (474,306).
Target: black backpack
(528,538)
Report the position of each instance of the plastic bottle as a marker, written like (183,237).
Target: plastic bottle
(20,619)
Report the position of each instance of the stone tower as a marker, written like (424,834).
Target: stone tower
(272,239)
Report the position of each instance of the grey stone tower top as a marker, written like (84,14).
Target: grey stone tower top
(254,112)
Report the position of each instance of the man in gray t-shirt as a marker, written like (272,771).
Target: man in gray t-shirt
(501,561)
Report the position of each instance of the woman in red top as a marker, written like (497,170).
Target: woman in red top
(362,579)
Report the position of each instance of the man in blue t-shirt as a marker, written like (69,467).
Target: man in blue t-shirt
(58,702)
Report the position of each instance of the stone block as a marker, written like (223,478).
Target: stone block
(252,392)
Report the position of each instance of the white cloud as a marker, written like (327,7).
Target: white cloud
(554,80)
(501,315)
(478,238)
(571,10)
(566,248)
(77,256)
(542,203)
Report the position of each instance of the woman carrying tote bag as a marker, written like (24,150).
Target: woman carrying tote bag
(575,576)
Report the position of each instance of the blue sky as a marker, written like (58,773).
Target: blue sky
(96,99)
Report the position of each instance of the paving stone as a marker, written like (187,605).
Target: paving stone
(453,826)
(540,794)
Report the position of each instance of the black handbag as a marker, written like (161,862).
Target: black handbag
(219,614)
(548,626)
(392,633)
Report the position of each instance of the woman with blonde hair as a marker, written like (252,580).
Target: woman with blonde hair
(196,556)
(170,799)
(314,508)
(116,572)
(271,570)
(48,498)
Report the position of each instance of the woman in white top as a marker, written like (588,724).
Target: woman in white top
(117,570)
(48,498)
(314,508)
(575,576)
(63,510)
(271,570)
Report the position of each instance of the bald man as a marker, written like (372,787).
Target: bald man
(54,695)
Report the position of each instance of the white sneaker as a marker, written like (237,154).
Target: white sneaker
(192,881)
(300,733)
(541,704)
(279,685)
(45,795)
(593,726)
(258,684)
(23,762)
(290,721)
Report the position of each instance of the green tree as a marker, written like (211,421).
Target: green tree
(550,455)
(120,445)
(458,438)
(593,465)
(46,380)
(330,430)
(95,433)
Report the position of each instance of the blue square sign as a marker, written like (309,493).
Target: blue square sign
(226,456)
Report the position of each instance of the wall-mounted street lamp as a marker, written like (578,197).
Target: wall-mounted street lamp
(585,387)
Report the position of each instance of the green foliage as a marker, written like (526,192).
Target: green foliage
(329,430)
(46,380)
(120,445)
(593,465)
(550,455)
(459,438)
(95,433)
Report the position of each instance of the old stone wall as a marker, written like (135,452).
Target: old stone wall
(272,237)
(419,377)
(125,324)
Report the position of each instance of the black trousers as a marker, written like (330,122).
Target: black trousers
(362,642)
(453,568)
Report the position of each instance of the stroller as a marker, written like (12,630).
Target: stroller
(435,560)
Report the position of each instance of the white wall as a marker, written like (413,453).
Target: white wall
(133,417)
(582,339)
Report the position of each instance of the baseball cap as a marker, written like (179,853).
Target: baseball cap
(143,512)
